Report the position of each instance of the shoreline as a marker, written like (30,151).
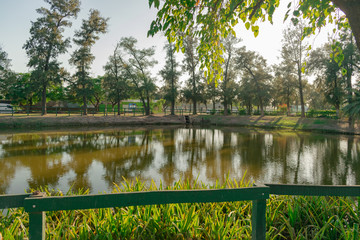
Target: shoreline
(266,122)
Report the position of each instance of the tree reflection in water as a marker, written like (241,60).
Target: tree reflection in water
(61,160)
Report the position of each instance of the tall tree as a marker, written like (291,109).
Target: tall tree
(247,93)
(46,42)
(191,65)
(170,75)
(5,73)
(284,84)
(255,77)
(294,52)
(227,84)
(115,79)
(137,63)
(212,93)
(335,78)
(334,84)
(98,92)
(82,58)
(350,65)
(4,62)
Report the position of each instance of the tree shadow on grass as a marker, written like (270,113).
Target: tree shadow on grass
(300,122)
(275,121)
(258,119)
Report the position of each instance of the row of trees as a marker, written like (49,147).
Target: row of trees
(47,42)
(246,79)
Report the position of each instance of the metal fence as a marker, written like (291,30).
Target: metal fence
(61,111)
(37,204)
(139,111)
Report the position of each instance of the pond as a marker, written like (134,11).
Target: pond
(98,159)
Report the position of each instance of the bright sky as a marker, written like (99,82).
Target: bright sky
(127,18)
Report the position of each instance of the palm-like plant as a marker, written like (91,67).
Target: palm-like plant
(353,108)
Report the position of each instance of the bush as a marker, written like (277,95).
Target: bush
(242,111)
(321,113)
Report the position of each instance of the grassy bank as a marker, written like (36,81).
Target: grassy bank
(287,218)
(18,122)
(280,122)
(271,122)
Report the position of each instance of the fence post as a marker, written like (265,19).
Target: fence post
(134,111)
(258,219)
(37,221)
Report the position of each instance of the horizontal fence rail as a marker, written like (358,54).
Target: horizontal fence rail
(13,201)
(37,204)
(314,190)
(144,198)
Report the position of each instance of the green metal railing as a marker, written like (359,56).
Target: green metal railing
(36,204)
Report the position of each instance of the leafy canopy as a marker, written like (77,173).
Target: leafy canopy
(213,20)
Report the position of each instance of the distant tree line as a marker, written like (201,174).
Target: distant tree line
(246,80)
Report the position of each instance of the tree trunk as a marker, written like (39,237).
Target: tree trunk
(248,108)
(118,108)
(172,97)
(349,86)
(43,101)
(288,102)
(225,107)
(288,105)
(352,10)
(194,107)
(148,105)
(261,107)
(173,107)
(85,105)
(30,101)
(301,93)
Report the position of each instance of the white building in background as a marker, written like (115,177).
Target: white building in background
(297,108)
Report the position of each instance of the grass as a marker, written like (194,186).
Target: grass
(287,217)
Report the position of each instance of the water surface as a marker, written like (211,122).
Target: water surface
(97,159)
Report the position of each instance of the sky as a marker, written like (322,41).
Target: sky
(126,18)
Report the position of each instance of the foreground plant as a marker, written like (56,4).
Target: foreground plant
(287,218)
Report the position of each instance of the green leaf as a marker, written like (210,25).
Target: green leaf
(247,25)
(295,21)
(255,29)
(343,71)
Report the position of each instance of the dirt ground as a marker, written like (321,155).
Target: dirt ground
(276,122)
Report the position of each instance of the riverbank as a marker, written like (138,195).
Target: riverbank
(270,122)
(281,122)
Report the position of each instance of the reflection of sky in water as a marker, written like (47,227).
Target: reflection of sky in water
(97,159)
